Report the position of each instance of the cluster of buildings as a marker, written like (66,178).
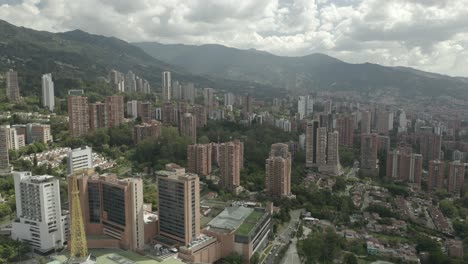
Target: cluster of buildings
(17,136)
(128,83)
(321,148)
(114,215)
(13,89)
(84,117)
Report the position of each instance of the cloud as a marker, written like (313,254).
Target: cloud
(425,34)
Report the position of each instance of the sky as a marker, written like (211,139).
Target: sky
(430,35)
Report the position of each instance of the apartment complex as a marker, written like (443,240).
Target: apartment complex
(199,159)
(231,156)
(78,115)
(456,177)
(4,144)
(278,171)
(112,210)
(166,86)
(40,221)
(149,130)
(403,165)
(115,110)
(188,127)
(48,93)
(436,176)
(369,149)
(345,127)
(178,205)
(12,86)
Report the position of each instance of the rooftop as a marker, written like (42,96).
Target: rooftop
(231,218)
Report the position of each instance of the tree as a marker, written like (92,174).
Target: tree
(255,259)
(350,259)
(233,258)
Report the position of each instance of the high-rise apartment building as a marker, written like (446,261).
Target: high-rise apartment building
(112,210)
(208,99)
(48,94)
(130,82)
(199,159)
(132,109)
(178,205)
(366,122)
(170,114)
(80,159)
(188,93)
(311,143)
(166,86)
(40,221)
(321,146)
(200,113)
(16,141)
(369,149)
(333,159)
(403,165)
(4,143)
(278,171)
(115,110)
(12,86)
(97,116)
(34,132)
(144,111)
(305,106)
(345,127)
(188,127)
(230,164)
(436,176)
(78,115)
(384,122)
(430,145)
(229,99)
(149,130)
(456,177)
(176,90)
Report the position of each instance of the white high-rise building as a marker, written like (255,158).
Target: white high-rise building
(402,122)
(79,159)
(166,86)
(40,220)
(48,94)
(229,99)
(305,106)
(132,109)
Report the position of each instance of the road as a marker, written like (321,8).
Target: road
(282,239)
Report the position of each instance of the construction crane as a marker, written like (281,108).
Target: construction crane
(78,244)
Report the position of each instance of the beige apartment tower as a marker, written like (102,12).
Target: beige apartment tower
(115,110)
(230,163)
(12,86)
(178,205)
(278,171)
(78,115)
(199,159)
(188,127)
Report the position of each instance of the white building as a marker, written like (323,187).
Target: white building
(40,221)
(132,109)
(402,122)
(15,141)
(4,144)
(48,95)
(305,106)
(166,86)
(229,99)
(80,158)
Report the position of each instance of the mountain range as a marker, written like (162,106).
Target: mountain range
(313,72)
(76,55)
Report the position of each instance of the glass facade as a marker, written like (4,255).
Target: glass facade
(94,202)
(114,203)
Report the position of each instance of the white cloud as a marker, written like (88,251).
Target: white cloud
(425,34)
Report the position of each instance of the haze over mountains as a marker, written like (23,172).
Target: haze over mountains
(312,72)
(80,55)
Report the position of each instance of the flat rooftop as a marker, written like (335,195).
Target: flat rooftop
(231,217)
